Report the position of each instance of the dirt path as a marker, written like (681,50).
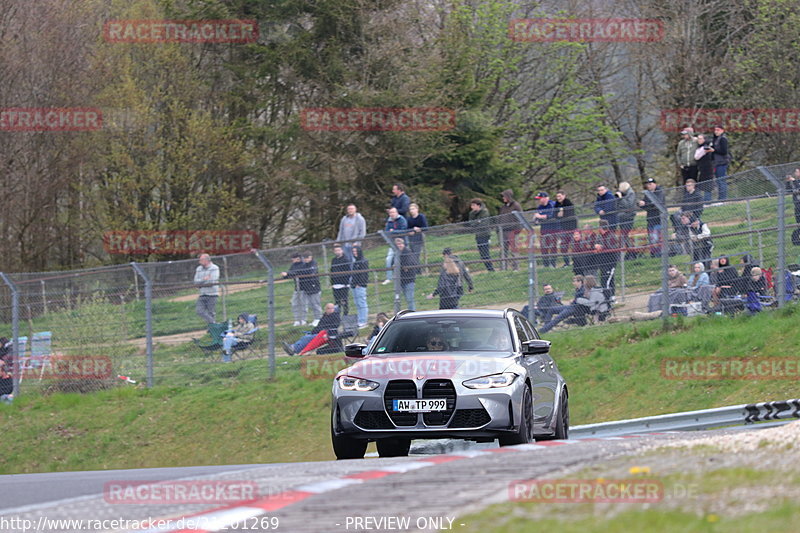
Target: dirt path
(231,289)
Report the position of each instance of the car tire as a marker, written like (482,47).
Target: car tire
(525,433)
(345,447)
(393,447)
(562,421)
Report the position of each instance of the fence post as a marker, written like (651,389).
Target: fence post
(270,310)
(502,239)
(225,289)
(14,331)
(749,223)
(532,281)
(148,317)
(396,268)
(622,255)
(781,186)
(664,254)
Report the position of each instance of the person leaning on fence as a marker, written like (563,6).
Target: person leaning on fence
(511,226)
(653,215)
(359,281)
(241,332)
(574,309)
(546,217)
(417,223)
(206,276)
(450,286)
(567,222)
(479,221)
(328,326)
(299,304)
(340,278)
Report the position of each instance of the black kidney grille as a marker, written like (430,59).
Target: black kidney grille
(373,420)
(439,388)
(400,389)
(470,418)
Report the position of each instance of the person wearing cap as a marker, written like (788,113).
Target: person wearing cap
(684,155)
(511,226)
(705,167)
(546,216)
(450,286)
(719,147)
(605,205)
(653,215)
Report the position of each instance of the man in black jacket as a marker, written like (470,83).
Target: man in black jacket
(567,223)
(340,278)
(653,216)
(719,147)
(311,290)
(409,266)
(692,199)
(299,305)
(329,322)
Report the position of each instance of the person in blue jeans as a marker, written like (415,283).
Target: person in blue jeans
(409,265)
(566,311)
(719,147)
(241,332)
(330,321)
(397,225)
(359,282)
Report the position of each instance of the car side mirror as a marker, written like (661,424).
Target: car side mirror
(355,350)
(535,346)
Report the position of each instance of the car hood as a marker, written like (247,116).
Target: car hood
(447,365)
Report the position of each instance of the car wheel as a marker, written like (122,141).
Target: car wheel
(347,447)
(393,447)
(525,433)
(562,421)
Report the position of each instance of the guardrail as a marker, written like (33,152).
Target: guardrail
(733,415)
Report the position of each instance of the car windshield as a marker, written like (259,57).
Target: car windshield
(445,334)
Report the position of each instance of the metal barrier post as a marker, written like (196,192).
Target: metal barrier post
(749,223)
(148,317)
(14,330)
(664,254)
(396,268)
(781,186)
(532,281)
(270,310)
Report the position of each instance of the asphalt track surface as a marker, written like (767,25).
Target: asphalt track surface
(431,491)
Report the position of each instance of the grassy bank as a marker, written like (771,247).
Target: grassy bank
(238,416)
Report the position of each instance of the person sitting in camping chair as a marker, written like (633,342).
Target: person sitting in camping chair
(327,327)
(242,332)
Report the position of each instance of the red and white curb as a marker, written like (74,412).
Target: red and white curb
(230,515)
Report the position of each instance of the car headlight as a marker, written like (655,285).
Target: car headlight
(491,382)
(357,384)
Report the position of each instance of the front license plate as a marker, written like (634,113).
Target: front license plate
(419,406)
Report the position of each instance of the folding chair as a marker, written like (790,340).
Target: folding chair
(24,360)
(346,334)
(246,348)
(41,344)
(215,331)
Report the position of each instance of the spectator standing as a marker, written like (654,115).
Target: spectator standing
(653,216)
(722,157)
(626,213)
(511,227)
(352,227)
(417,223)
(450,286)
(605,205)
(546,217)
(567,222)
(310,287)
(400,199)
(206,276)
(684,155)
(409,266)
(793,187)
(582,251)
(692,199)
(340,278)
(359,282)
(607,252)
(705,167)
(395,225)
(479,221)
(6,369)
(299,303)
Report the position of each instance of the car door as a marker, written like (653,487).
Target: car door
(540,373)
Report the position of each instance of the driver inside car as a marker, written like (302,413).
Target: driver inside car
(498,340)
(435,343)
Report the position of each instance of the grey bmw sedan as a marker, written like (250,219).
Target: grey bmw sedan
(459,373)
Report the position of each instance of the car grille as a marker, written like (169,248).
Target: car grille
(470,418)
(439,388)
(400,389)
(373,420)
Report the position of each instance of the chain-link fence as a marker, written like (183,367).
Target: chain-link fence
(240,316)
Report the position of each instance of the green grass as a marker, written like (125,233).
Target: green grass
(227,414)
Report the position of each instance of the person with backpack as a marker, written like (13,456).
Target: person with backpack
(450,286)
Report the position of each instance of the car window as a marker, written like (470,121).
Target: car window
(522,333)
(529,329)
(433,334)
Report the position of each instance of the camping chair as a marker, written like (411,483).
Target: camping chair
(214,348)
(346,334)
(246,348)
(41,350)
(24,360)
